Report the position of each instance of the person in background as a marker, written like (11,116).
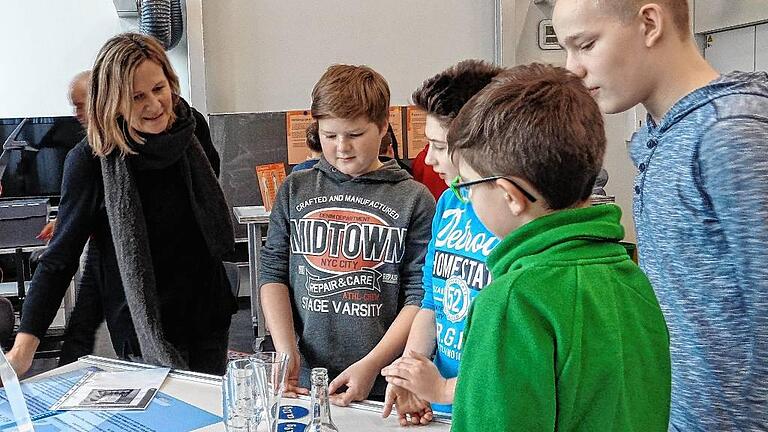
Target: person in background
(87,313)
(700,204)
(424,174)
(340,273)
(78,98)
(315,150)
(569,335)
(142,188)
(414,380)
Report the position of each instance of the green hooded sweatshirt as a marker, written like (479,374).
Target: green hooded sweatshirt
(568,337)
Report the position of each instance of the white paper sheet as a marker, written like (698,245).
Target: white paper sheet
(131,390)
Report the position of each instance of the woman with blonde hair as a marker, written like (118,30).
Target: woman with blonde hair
(143,186)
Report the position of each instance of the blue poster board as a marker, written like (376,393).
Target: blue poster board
(164,414)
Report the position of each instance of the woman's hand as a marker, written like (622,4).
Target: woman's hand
(23,352)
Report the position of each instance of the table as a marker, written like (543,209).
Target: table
(255,217)
(204,391)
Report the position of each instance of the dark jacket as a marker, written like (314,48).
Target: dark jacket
(193,290)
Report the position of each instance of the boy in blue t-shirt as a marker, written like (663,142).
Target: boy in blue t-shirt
(454,269)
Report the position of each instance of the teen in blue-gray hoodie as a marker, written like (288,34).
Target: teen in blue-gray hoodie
(700,198)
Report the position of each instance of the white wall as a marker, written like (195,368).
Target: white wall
(713,15)
(267,55)
(732,50)
(177,56)
(761,48)
(193,23)
(520,46)
(47,42)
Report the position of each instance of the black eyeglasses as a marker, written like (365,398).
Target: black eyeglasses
(462,190)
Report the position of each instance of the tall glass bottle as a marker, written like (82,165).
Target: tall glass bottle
(321,408)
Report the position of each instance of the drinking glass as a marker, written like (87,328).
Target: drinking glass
(270,368)
(242,407)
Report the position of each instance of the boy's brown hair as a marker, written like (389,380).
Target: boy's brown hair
(626,9)
(536,122)
(348,92)
(444,94)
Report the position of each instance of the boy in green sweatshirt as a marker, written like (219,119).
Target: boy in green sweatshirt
(569,335)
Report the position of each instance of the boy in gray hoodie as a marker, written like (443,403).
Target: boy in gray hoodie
(700,194)
(340,275)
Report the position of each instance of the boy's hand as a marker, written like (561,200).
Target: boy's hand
(358,378)
(410,409)
(417,374)
(292,388)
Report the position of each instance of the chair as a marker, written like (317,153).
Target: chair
(7,319)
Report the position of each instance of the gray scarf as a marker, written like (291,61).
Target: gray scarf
(129,230)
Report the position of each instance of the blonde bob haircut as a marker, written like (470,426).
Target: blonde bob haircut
(111,90)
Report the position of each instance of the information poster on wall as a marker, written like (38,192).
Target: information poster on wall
(296,123)
(416,121)
(270,178)
(396,120)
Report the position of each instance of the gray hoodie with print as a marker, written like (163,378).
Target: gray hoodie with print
(351,250)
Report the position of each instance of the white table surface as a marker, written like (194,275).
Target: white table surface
(204,391)
(251,214)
